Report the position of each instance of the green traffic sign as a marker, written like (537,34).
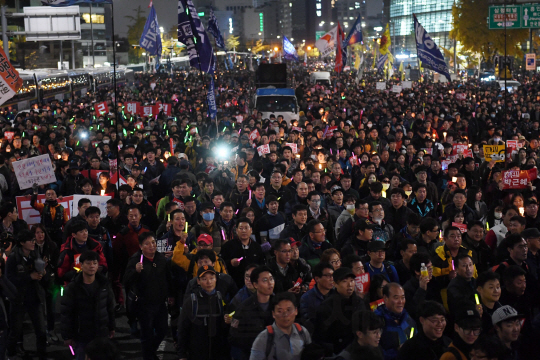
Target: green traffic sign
(319,34)
(530,18)
(505,16)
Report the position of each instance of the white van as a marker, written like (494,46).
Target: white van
(320,77)
(277,101)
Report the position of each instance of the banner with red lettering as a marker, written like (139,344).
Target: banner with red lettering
(9,135)
(461,227)
(147,110)
(254,135)
(515,179)
(263,149)
(166,108)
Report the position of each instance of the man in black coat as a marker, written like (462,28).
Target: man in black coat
(87,306)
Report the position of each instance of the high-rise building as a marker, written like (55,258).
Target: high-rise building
(434,15)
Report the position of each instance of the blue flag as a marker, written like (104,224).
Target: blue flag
(73,2)
(213,28)
(289,52)
(198,45)
(231,66)
(151,37)
(428,52)
(380,61)
(355,35)
(212,110)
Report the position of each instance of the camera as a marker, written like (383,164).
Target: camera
(6,241)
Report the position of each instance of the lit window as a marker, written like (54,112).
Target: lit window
(96,18)
(319,13)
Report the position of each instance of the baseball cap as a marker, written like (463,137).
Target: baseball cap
(205,269)
(136,167)
(365,224)
(376,245)
(343,273)
(504,313)
(467,317)
(205,238)
(294,242)
(530,233)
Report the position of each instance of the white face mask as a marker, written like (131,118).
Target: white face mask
(377,220)
(497,215)
(350,209)
(385,186)
(408,192)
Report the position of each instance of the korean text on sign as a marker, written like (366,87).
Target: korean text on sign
(515,179)
(10,81)
(36,170)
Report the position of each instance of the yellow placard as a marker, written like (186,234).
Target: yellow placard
(494,152)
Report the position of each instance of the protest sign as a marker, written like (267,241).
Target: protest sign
(459,148)
(254,135)
(461,227)
(102,108)
(517,179)
(362,283)
(512,147)
(428,151)
(166,108)
(381,85)
(299,129)
(132,107)
(397,89)
(263,149)
(461,96)
(494,152)
(36,170)
(354,160)
(147,110)
(9,135)
(293,146)
(96,200)
(406,84)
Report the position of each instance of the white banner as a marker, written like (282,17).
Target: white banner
(381,85)
(97,200)
(327,43)
(396,89)
(406,84)
(36,170)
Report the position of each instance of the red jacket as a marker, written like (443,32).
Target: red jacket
(126,244)
(69,258)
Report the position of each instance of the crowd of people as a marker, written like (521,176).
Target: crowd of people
(364,233)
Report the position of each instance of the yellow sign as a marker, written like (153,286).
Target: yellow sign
(494,152)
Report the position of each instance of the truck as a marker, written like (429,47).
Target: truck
(320,77)
(277,101)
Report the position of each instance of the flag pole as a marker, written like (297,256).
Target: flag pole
(115,102)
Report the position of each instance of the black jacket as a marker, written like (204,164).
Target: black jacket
(86,315)
(233,249)
(153,283)
(420,344)
(460,291)
(247,322)
(334,320)
(18,271)
(224,284)
(202,333)
(283,282)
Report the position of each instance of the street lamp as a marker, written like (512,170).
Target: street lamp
(276,49)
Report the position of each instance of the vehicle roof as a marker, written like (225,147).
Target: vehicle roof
(275,91)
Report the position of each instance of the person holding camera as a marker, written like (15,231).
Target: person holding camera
(25,270)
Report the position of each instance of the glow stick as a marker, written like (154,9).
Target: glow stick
(453,267)
(141,258)
(72,351)
(249,194)
(477,300)
(240,259)
(223,233)
(186,227)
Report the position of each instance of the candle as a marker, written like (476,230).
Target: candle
(444,135)
(522,211)
(142,257)
(320,166)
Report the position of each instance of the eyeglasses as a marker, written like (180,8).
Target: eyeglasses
(327,275)
(267,280)
(475,332)
(335,262)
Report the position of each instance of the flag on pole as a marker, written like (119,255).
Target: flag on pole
(211,98)
(385,41)
(340,58)
(10,81)
(355,35)
(381,61)
(213,28)
(327,43)
(402,71)
(60,3)
(198,46)
(428,52)
(289,52)
(151,37)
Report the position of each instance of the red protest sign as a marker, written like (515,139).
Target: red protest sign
(512,146)
(515,179)
(101,108)
(354,160)
(132,107)
(293,146)
(166,108)
(428,151)
(147,110)
(171,145)
(113,165)
(362,283)
(9,135)
(458,148)
(254,134)
(461,227)
(461,96)
(533,174)
(139,125)
(299,129)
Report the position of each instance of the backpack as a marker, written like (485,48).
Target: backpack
(270,337)
(195,308)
